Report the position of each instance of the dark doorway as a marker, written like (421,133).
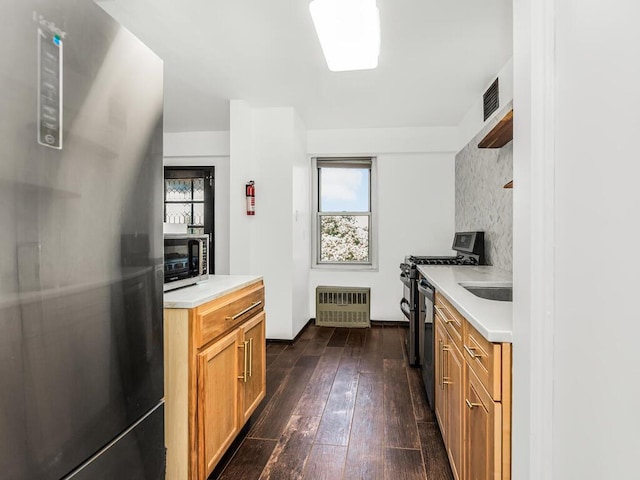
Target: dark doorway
(189,198)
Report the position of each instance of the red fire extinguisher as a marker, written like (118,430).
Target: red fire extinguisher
(250,191)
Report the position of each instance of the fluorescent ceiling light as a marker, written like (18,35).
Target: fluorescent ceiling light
(349,32)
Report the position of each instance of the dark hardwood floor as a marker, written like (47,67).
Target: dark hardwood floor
(341,404)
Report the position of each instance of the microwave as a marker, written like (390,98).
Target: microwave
(185,260)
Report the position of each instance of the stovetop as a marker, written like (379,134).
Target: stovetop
(414,260)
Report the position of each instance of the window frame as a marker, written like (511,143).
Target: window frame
(344,162)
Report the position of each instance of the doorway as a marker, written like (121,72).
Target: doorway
(189,199)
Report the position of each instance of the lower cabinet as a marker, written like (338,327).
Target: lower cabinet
(473,397)
(454,374)
(218,419)
(231,384)
(449,394)
(440,339)
(215,377)
(253,386)
(483,421)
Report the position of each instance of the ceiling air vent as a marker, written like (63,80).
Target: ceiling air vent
(491,100)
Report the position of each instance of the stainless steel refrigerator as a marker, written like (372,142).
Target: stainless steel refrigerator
(81,362)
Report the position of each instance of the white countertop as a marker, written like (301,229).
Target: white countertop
(203,292)
(491,318)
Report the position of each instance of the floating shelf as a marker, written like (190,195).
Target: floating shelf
(499,135)
(508,185)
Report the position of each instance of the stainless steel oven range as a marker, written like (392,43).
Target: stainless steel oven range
(469,247)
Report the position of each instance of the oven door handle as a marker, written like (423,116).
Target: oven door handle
(426,291)
(404,306)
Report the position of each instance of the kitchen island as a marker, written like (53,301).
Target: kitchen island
(214,287)
(215,369)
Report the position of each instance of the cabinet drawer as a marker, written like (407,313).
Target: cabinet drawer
(452,320)
(485,359)
(219,316)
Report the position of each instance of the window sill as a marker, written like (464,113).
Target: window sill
(345,268)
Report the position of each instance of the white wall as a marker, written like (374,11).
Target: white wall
(473,121)
(196,144)
(272,234)
(576,104)
(597,124)
(530,443)
(207,149)
(383,140)
(415,204)
(241,170)
(301,252)
(267,146)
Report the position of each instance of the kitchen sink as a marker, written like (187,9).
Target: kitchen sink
(501,292)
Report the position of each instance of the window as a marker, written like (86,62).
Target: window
(344,223)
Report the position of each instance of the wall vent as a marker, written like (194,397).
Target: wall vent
(343,306)
(491,100)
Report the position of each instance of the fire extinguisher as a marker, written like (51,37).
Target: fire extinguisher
(250,192)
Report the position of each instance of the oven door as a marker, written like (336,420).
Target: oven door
(176,260)
(183,259)
(408,306)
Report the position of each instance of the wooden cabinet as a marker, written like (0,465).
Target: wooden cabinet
(254,384)
(217,400)
(449,392)
(483,421)
(454,375)
(215,377)
(488,407)
(440,339)
(473,397)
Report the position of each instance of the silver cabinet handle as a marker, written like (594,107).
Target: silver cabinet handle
(245,348)
(471,352)
(250,356)
(446,380)
(439,311)
(441,364)
(471,405)
(250,307)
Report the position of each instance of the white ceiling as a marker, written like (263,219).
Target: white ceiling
(437,57)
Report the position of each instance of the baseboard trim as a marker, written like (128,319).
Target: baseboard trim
(390,323)
(291,342)
(377,323)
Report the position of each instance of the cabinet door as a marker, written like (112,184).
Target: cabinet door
(453,380)
(218,420)
(440,400)
(483,431)
(253,385)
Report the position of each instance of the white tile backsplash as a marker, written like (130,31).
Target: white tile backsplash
(481,201)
